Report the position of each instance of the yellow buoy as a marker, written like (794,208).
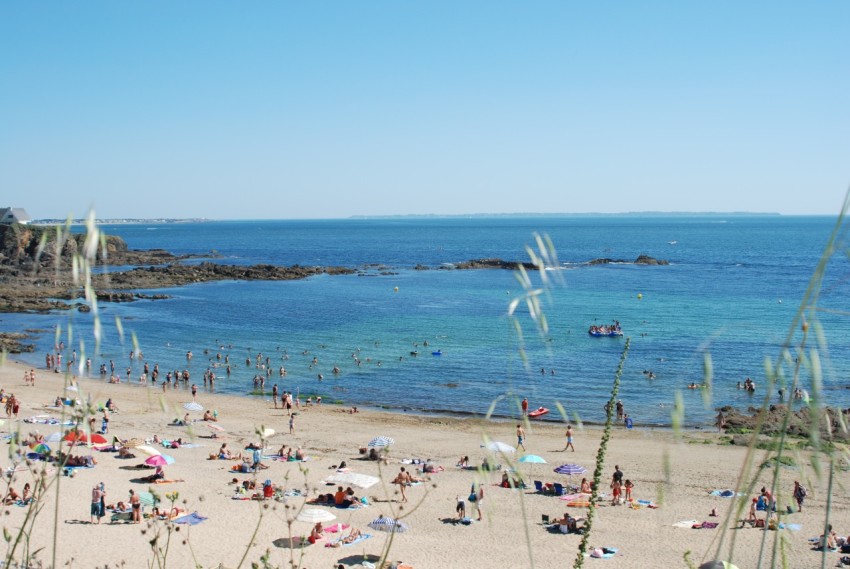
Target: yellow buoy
(640,296)
(396,289)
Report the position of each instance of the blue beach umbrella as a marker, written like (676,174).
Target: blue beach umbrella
(533,459)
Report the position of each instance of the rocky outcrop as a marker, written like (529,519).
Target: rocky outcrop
(800,423)
(641,260)
(491,264)
(35,248)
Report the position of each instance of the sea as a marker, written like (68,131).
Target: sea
(411,334)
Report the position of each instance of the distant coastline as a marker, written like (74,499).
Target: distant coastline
(590,214)
(170,220)
(119,221)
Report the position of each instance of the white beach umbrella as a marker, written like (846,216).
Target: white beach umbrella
(353,479)
(148,450)
(497,446)
(267,432)
(192,406)
(381,441)
(314,515)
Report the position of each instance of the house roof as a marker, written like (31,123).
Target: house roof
(19,214)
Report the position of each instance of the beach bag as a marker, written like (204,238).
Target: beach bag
(473,497)
(759,523)
(845,560)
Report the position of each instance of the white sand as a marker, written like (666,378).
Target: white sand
(510,536)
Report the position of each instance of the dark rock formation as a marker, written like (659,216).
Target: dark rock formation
(799,424)
(641,260)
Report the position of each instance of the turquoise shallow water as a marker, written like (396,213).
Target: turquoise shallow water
(731,291)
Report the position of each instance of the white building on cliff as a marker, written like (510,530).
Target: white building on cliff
(10,215)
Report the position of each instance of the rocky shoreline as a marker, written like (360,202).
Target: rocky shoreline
(800,423)
(36,271)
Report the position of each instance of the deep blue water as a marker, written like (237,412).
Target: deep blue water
(732,290)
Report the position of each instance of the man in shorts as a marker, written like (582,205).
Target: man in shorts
(520,436)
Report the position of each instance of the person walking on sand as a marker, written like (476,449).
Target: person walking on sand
(274,395)
(570,438)
(479,499)
(194,391)
(520,436)
(291,424)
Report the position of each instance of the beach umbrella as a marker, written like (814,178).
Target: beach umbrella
(381,442)
(71,388)
(159,460)
(97,439)
(132,443)
(75,437)
(41,448)
(146,449)
(384,523)
(267,432)
(192,406)
(215,427)
(496,446)
(353,479)
(533,459)
(570,469)
(147,499)
(314,515)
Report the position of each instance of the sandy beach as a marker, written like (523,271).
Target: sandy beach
(511,533)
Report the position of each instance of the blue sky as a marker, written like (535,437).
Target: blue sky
(330,109)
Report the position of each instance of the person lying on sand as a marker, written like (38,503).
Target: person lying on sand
(225,454)
(163,514)
(352,536)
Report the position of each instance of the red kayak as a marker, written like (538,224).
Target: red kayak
(538,412)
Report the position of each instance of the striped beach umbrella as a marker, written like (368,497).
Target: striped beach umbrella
(387,524)
(381,442)
(570,469)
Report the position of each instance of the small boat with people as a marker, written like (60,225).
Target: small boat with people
(606,330)
(539,412)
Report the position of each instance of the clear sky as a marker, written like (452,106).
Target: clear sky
(249,110)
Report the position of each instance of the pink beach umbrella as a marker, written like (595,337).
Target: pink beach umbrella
(159,460)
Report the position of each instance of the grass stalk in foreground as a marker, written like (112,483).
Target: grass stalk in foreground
(600,458)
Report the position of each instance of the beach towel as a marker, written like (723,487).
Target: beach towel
(337,527)
(724,493)
(361,537)
(792,527)
(603,552)
(685,524)
(189,519)
(705,525)
(578,504)
(163,481)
